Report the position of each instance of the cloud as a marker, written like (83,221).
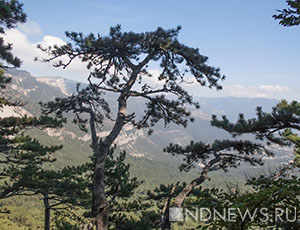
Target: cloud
(30,28)
(27,51)
(262,91)
(273,88)
(153,81)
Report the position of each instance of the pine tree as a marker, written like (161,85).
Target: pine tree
(219,155)
(26,173)
(289,16)
(11,13)
(88,107)
(281,126)
(271,201)
(21,157)
(119,64)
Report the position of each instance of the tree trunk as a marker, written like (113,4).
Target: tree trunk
(47,212)
(100,206)
(186,191)
(188,188)
(203,176)
(165,220)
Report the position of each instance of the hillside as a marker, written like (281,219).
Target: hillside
(137,143)
(144,153)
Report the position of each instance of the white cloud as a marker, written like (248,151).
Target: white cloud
(28,51)
(262,91)
(30,28)
(273,88)
(153,80)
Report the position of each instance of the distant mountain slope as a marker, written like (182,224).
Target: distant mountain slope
(66,86)
(233,106)
(145,155)
(136,142)
(31,88)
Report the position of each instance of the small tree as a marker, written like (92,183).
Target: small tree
(267,202)
(220,155)
(24,174)
(62,190)
(87,106)
(119,63)
(15,147)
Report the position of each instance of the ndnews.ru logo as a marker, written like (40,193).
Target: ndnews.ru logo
(231,215)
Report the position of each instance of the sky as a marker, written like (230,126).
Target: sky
(259,57)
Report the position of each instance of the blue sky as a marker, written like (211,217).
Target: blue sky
(259,57)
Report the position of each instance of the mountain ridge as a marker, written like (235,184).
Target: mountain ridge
(136,142)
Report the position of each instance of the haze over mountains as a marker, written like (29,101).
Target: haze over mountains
(137,143)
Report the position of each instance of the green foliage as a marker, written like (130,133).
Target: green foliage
(118,181)
(11,13)
(263,196)
(84,101)
(120,186)
(24,175)
(69,187)
(289,16)
(22,160)
(280,126)
(5,224)
(65,221)
(227,153)
(120,60)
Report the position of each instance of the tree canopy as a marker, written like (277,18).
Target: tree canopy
(281,126)
(289,16)
(119,63)
(121,59)
(11,13)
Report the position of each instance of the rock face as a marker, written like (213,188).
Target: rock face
(58,83)
(9,111)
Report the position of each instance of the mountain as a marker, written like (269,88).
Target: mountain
(145,155)
(137,143)
(65,86)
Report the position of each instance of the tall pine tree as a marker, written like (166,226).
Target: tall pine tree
(119,64)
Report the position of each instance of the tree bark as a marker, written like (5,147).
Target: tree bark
(166,224)
(100,206)
(188,188)
(203,176)
(165,220)
(47,212)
